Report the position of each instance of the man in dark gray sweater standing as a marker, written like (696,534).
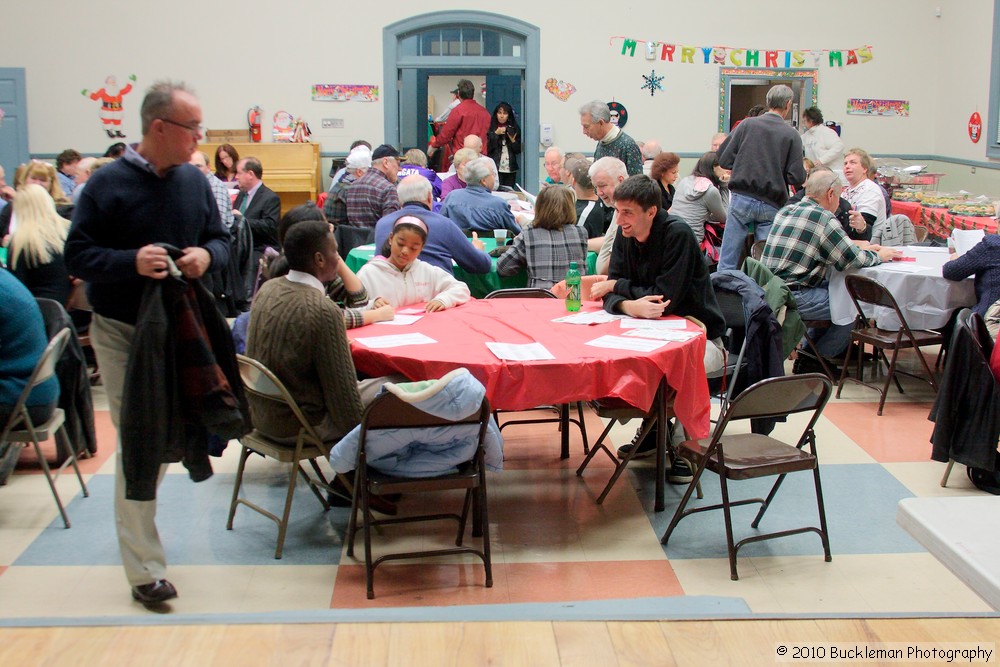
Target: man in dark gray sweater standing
(765,156)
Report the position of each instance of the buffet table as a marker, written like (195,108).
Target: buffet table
(939,221)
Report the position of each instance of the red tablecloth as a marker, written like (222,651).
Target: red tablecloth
(911,209)
(939,221)
(578,372)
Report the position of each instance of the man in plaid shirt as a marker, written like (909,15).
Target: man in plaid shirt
(374,194)
(804,241)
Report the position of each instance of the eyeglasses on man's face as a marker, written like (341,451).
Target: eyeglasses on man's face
(194,129)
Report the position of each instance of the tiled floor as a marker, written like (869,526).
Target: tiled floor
(552,545)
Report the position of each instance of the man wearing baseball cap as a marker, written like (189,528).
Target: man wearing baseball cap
(374,194)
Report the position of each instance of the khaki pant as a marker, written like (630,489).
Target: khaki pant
(135,520)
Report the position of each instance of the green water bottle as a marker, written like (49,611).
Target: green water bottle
(573,288)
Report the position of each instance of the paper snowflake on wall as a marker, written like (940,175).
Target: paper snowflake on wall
(652,82)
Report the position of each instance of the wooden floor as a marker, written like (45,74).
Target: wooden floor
(694,643)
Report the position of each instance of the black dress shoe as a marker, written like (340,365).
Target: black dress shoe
(155,593)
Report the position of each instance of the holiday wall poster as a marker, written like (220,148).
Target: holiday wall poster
(863,106)
(343,92)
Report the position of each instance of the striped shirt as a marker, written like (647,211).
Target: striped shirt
(546,253)
(351,303)
(369,198)
(804,240)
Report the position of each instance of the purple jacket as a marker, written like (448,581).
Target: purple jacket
(429,174)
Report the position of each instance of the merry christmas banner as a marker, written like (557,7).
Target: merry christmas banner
(742,57)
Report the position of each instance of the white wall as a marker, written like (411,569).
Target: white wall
(266,56)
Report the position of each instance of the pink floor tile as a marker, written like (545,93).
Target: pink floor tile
(426,584)
(901,434)
(106,443)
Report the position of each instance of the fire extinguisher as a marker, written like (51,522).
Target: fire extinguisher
(253,119)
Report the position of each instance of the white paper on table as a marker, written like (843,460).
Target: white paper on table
(593,317)
(933,250)
(370,246)
(410,311)
(639,323)
(662,334)
(622,343)
(401,320)
(523,352)
(965,239)
(395,340)
(531,198)
(903,267)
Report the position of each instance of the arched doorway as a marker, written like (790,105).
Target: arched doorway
(502,51)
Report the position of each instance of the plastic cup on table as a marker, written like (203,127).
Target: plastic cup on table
(500,235)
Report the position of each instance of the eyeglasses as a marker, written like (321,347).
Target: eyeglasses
(196,129)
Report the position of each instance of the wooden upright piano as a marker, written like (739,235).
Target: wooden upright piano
(291,170)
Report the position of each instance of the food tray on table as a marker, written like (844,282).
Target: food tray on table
(974,209)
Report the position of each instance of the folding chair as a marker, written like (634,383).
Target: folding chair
(617,411)
(866,290)
(261,382)
(757,249)
(20,429)
(972,327)
(748,456)
(563,419)
(388,411)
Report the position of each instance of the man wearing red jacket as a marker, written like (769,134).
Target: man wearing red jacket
(467,118)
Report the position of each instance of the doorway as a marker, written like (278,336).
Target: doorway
(429,53)
(741,89)
(13,121)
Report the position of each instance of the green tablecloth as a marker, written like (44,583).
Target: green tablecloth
(480,284)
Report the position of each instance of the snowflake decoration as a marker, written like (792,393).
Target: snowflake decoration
(652,82)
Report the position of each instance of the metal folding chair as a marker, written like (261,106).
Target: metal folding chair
(750,455)
(563,419)
(261,382)
(866,290)
(20,429)
(388,411)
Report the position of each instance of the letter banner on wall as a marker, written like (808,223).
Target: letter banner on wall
(741,57)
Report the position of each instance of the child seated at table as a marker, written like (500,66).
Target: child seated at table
(398,276)
(551,242)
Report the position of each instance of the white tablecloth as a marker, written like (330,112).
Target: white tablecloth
(926,298)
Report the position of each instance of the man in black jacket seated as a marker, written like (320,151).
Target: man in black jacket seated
(657,269)
(151,195)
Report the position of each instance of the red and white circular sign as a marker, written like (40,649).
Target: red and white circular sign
(975,127)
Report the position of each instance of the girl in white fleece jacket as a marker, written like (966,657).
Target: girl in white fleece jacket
(400,278)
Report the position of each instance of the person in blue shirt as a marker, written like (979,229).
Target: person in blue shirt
(445,241)
(475,207)
(22,342)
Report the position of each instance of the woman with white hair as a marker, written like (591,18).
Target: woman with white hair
(35,249)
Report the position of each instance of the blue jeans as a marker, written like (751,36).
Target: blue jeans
(743,212)
(814,304)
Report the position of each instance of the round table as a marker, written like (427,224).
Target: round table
(578,372)
(925,297)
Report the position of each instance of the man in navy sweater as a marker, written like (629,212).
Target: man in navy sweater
(151,195)
(445,241)
(765,156)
